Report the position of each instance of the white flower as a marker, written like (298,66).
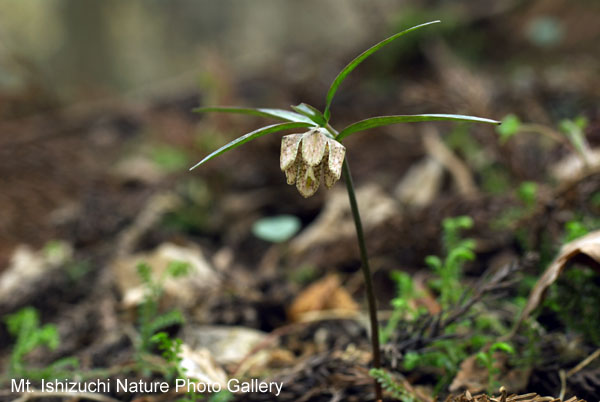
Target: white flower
(303,164)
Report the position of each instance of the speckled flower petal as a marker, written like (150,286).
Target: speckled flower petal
(336,159)
(307,181)
(330,178)
(289,150)
(291,173)
(313,147)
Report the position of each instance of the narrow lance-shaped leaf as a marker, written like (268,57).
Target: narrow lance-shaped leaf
(311,112)
(387,120)
(279,114)
(252,135)
(354,63)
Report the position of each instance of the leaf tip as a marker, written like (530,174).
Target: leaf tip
(196,165)
(428,23)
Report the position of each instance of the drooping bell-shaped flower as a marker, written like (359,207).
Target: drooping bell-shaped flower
(305,157)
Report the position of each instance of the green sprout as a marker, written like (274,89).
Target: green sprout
(305,156)
(397,390)
(473,332)
(402,304)
(150,320)
(171,352)
(458,251)
(574,229)
(488,360)
(511,124)
(527,193)
(24,326)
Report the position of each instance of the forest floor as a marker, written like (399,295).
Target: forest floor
(88,193)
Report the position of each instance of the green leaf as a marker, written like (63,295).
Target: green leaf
(411,360)
(359,59)
(252,135)
(434,262)
(178,269)
(276,229)
(574,229)
(165,320)
(483,358)
(222,396)
(144,272)
(279,114)
(509,127)
(415,118)
(581,122)
(457,222)
(311,112)
(460,253)
(503,346)
(527,193)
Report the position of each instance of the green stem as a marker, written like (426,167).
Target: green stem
(364,258)
(372,302)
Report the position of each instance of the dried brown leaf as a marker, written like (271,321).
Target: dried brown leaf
(326,294)
(471,376)
(586,248)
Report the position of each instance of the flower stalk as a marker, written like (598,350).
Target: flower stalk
(365,267)
(364,259)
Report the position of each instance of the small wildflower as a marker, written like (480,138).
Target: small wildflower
(305,156)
